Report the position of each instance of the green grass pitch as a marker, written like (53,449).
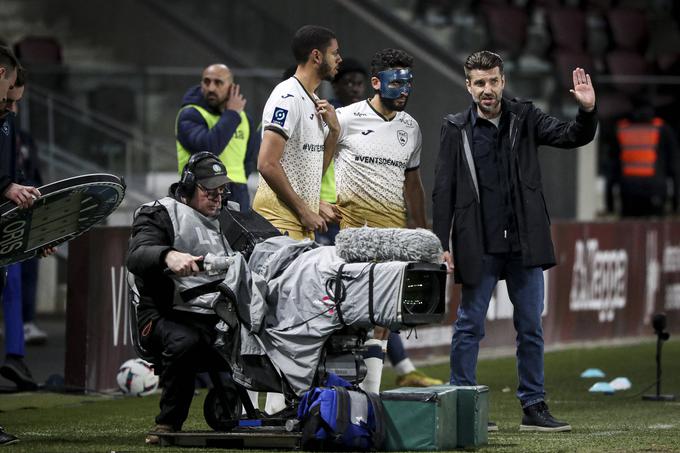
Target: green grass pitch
(619,423)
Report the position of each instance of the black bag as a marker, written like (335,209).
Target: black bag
(243,230)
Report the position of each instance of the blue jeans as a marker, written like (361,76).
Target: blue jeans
(525,288)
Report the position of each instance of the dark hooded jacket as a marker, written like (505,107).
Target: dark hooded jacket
(456,196)
(194,135)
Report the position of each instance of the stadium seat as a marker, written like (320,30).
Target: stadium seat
(43,50)
(568,28)
(612,104)
(622,62)
(507,28)
(629,28)
(601,6)
(566,61)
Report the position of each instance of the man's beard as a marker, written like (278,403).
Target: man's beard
(215,102)
(391,104)
(325,72)
(488,108)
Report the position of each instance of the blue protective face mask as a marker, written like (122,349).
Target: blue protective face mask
(395,82)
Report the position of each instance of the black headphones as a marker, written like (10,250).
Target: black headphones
(187,182)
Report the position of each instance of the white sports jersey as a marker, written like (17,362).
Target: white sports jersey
(291,112)
(371,159)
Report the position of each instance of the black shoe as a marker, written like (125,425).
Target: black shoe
(491,427)
(537,418)
(16,371)
(7,438)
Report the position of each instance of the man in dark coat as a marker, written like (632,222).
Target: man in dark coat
(488,204)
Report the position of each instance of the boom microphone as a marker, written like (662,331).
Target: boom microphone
(388,244)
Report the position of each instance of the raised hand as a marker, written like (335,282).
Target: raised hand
(235,101)
(583,90)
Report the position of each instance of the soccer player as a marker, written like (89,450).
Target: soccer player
(378,178)
(300,131)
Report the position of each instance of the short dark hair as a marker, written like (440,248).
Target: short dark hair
(483,60)
(289,72)
(390,58)
(7,59)
(348,66)
(308,38)
(21,76)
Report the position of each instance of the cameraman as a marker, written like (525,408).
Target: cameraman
(170,237)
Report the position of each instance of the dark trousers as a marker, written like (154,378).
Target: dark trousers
(185,347)
(29,284)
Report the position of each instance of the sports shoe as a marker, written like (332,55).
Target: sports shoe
(491,427)
(537,417)
(417,379)
(16,371)
(153,439)
(7,438)
(34,335)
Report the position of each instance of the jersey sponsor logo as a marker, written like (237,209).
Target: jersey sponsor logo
(288,95)
(279,116)
(359,114)
(380,161)
(366,132)
(313,147)
(402,136)
(408,122)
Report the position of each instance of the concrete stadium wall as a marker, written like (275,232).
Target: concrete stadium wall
(610,279)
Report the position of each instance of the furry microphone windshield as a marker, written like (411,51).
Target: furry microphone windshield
(388,244)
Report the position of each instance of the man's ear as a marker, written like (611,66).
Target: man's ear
(375,83)
(317,57)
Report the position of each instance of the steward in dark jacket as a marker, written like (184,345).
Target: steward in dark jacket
(456,191)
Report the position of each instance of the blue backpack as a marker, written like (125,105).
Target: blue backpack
(338,418)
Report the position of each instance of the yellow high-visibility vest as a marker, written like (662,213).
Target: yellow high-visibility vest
(233,156)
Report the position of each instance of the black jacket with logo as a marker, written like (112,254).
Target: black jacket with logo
(456,196)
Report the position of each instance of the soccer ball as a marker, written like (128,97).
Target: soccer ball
(136,378)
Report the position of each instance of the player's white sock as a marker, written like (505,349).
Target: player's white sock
(374,365)
(404,367)
(275,403)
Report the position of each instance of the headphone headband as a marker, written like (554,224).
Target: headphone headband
(188,179)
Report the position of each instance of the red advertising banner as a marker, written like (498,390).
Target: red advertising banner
(611,278)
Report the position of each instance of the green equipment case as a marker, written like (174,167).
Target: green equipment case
(435,418)
(420,419)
